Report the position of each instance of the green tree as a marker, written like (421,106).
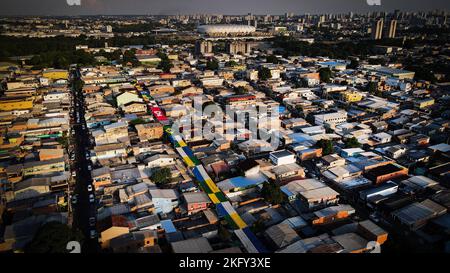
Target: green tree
(231,64)
(223,233)
(272,59)
(212,65)
(165,63)
(264,73)
(353,64)
(258,225)
(129,56)
(78,84)
(372,87)
(161,176)
(272,193)
(352,143)
(53,238)
(325,74)
(326,145)
(240,90)
(137,121)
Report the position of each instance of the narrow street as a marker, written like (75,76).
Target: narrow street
(85,206)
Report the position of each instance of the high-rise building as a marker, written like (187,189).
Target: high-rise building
(239,47)
(203,47)
(377,29)
(392,29)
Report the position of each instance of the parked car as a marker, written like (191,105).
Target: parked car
(91,198)
(92,221)
(89,187)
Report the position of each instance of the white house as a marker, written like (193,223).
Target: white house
(382,137)
(282,157)
(159,160)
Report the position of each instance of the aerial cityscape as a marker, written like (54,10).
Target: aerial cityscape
(208,132)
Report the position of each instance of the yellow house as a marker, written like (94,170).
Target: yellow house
(424,103)
(351,96)
(55,74)
(9,104)
(173,57)
(112,227)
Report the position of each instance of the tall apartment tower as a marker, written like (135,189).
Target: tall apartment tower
(377,29)
(391,31)
(203,47)
(236,47)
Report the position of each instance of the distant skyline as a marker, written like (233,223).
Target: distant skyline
(172,7)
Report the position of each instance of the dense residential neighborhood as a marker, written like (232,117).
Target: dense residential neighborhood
(357,155)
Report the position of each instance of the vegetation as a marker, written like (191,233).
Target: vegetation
(64,141)
(53,238)
(212,65)
(326,145)
(78,84)
(272,193)
(231,64)
(146,27)
(23,46)
(272,59)
(352,143)
(129,56)
(111,56)
(258,225)
(240,90)
(325,74)
(165,63)
(341,50)
(353,64)
(61,59)
(264,73)
(137,121)
(223,233)
(161,176)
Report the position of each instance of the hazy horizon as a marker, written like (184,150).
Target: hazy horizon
(227,7)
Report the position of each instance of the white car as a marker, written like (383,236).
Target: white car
(91,198)
(89,187)
(89,167)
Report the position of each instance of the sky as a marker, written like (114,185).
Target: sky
(163,7)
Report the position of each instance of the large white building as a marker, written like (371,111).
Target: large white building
(226,29)
(331,118)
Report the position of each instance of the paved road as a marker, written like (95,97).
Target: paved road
(83,209)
